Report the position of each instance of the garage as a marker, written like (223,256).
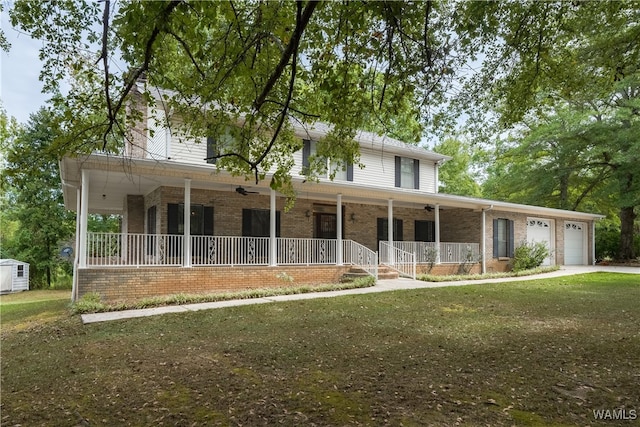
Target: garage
(539,230)
(575,249)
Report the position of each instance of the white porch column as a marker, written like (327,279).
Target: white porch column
(186,262)
(390,231)
(273,242)
(339,229)
(593,242)
(390,222)
(483,238)
(76,255)
(437,236)
(84,215)
(483,245)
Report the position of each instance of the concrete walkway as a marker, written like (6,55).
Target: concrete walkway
(380,286)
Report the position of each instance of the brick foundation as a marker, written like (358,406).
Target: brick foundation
(130,284)
(446,269)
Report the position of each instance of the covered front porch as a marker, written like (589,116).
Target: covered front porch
(332,224)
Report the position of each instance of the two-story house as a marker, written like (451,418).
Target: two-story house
(188,227)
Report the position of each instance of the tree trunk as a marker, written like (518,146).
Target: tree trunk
(627,218)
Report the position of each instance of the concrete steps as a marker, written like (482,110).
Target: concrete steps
(384,272)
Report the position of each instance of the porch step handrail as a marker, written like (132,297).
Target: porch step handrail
(447,253)
(360,256)
(403,262)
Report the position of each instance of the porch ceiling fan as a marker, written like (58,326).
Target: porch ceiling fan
(244,192)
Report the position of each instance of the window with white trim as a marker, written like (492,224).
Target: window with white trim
(407,173)
(325,167)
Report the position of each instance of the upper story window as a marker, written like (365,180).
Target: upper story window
(328,166)
(216,145)
(407,173)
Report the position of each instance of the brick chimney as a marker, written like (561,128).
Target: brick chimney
(137,133)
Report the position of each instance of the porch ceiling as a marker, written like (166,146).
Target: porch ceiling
(112,178)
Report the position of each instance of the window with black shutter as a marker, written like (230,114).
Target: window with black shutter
(256,223)
(383,230)
(407,173)
(425,231)
(201,219)
(503,238)
(340,173)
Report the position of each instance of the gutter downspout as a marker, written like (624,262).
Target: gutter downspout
(484,238)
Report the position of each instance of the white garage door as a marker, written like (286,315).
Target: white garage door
(539,230)
(574,243)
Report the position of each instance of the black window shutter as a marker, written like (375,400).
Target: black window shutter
(495,239)
(511,239)
(306,152)
(208,221)
(277,223)
(173,218)
(247,221)
(398,172)
(211,150)
(350,172)
(398,234)
(416,174)
(382,229)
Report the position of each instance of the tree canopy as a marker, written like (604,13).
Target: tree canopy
(254,67)
(35,222)
(566,77)
(561,76)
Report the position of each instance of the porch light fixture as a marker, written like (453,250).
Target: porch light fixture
(353,217)
(307,214)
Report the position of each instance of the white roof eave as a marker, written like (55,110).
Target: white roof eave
(161,172)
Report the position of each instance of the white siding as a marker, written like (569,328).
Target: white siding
(21,283)
(10,280)
(188,150)
(157,136)
(378,171)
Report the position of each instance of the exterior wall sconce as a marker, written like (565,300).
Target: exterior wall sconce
(353,217)
(307,214)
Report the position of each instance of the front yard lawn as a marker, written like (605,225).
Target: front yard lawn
(550,351)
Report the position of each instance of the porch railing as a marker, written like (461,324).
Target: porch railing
(402,261)
(359,255)
(448,253)
(121,250)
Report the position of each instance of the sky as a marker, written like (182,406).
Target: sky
(20,90)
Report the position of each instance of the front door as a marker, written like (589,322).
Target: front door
(325,226)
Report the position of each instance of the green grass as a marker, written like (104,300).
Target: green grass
(544,352)
(20,310)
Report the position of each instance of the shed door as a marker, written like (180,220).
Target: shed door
(574,243)
(539,230)
(5,278)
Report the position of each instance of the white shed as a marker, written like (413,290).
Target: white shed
(14,276)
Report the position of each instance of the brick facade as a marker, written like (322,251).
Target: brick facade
(130,284)
(360,224)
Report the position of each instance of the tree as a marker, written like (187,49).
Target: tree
(455,175)
(255,67)
(32,199)
(580,56)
